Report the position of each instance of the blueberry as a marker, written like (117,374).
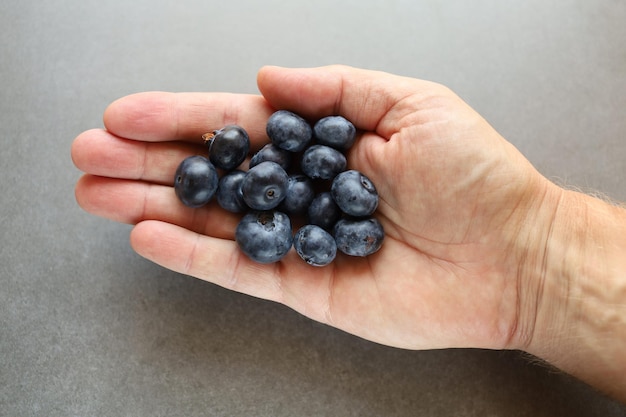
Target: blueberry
(264,236)
(322,162)
(335,131)
(229,195)
(359,237)
(228,147)
(354,193)
(271,152)
(265,186)
(300,193)
(315,245)
(195,181)
(323,211)
(289,131)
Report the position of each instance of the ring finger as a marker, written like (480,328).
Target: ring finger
(131,202)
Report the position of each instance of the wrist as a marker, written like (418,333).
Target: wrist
(580,319)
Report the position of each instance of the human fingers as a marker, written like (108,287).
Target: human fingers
(221,262)
(372,100)
(101,153)
(161,116)
(369,298)
(131,202)
(395,114)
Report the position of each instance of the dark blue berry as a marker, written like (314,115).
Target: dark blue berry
(359,237)
(335,131)
(322,162)
(300,193)
(195,181)
(228,147)
(229,195)
(289,131)
(273,153)
(265,186)
(264,236)
(354,193)
(315,245)
(323,211)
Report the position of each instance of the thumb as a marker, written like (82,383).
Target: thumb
(369,99)
(364,97)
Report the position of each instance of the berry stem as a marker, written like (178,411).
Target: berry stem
(208,137)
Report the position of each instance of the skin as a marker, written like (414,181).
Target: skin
(477,249)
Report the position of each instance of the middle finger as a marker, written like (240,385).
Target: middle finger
(101,153)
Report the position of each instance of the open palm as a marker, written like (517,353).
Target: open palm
(456,200)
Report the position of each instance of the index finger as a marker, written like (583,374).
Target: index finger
(162,116)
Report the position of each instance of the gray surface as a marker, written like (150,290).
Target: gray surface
(89,328)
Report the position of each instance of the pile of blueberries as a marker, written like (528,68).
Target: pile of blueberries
(301,174)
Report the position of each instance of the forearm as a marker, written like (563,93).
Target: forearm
(580,323)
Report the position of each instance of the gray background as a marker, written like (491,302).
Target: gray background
(88,328)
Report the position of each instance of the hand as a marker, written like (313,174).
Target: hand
(460,266)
